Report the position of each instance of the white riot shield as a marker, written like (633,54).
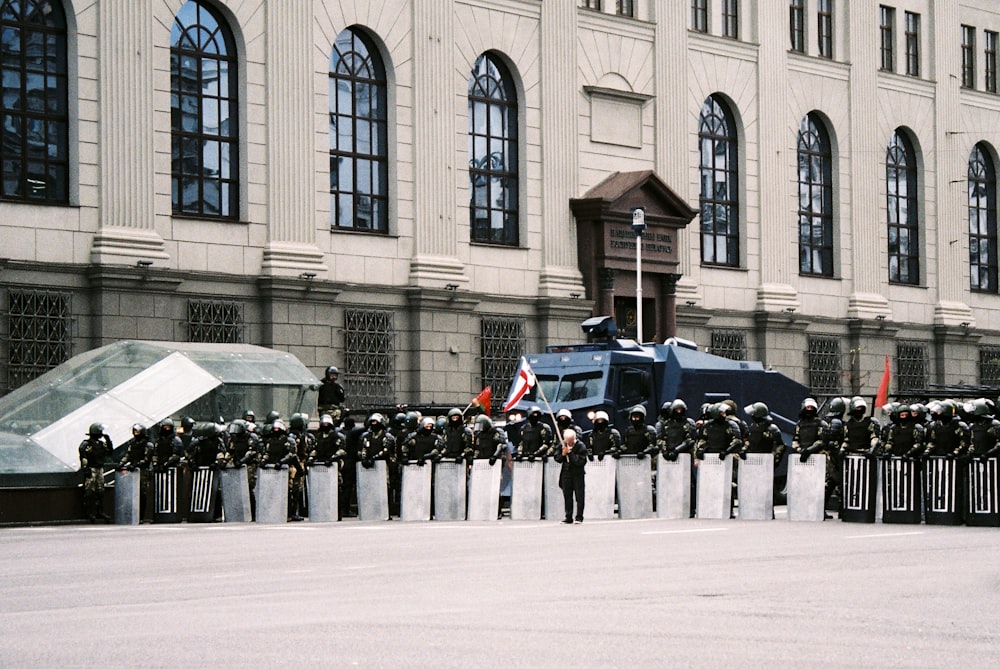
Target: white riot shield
(715,487)
(982,509)
(484,489)
(272,495)
(942,491)
(449,491)
(806,487)
(166,496)
(235,495)
(526,496)
(673,487)
(323,490)
(600,482)
(554,504)
(859,483)
(127,497)
(373,492)
(634,478)
(204,489)
(415,492)
(900,489)
(755,487)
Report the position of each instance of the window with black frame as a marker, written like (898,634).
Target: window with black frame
(359,146)
(34,101)
(912,35)
(887,38)
(493,153)
(797,25)
(720,223)
(699,15)
(824,28)
(815,175)
(982,221)
(968,57)
(204,114)
(901,209)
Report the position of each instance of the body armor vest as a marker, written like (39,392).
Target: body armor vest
(761,439)
(982,437)
(858,434)
(637,441)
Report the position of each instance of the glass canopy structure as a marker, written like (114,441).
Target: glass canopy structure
(43,422)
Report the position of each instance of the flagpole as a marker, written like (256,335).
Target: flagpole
(555,423)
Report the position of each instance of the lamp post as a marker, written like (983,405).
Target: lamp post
(638,227)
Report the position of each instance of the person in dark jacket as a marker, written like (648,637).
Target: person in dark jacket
(573,456)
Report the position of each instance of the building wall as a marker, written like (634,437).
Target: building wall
(597,93)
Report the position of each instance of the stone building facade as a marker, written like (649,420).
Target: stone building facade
(401,187)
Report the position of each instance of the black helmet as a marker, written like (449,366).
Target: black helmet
(412,420)
(757,410)
(96,430)
(665,409)
(639,410)
(837,406)
(187,423)
(455,413)
(138,430)
(249,416)
(272,416)
(483,422)
(299,421)
(678,406)
(167,425)
(238,426)
(332,370)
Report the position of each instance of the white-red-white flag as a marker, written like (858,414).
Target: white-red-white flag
(523,382)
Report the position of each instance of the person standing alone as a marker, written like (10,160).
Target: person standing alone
(573,456)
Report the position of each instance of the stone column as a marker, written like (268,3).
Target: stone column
(435,230)
(605,291)
(127,192)
(291,212)
(668,305)
(777,243)
(560,273)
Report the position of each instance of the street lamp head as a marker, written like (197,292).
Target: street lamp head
(638,220)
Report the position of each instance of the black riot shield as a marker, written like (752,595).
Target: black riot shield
(858,488)
(982,509)
(942,491)
(166,496)
(204,489)
(900,491)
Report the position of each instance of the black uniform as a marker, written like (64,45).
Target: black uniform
(571,479)
(604,439)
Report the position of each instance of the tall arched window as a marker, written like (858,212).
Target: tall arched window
(492,153)
(204,121)
(34,102)
(815,199)
(359,146)
(982,221)
(901,208)
(720,218)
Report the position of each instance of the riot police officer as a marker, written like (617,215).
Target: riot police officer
(136,455)
(676,433)
(861,432)
(984,431)
(376,442)
(94,451)
(489,441)
(422,444)
(279,451)
(946,435)
(167,447)
(718,435)
(208,446)
(763,436)
(603,439)
(536,437)
(331,395)
(905,437)
(305,442)
(329,445)
(244,451)
(639,438)
(809,437)
(457,437)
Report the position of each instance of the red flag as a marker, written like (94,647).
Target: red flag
(882,397)
(485,398)
(523,382)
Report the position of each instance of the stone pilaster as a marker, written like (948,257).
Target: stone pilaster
(126,233)
(291,247)
(435,230)
(560,273)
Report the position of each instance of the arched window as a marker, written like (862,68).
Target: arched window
(982,221)
(204,121)
(34,102)
(815,199)
(492,153)
(901,208)
(359,146)
(720,218)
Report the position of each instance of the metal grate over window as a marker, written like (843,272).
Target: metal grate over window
(730,344)
(503,344)
(39,328)
(370,355)
(825,365)
(989,365)
(215,322)
(911,366)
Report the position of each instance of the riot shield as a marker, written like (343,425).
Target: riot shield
(415,493)
(272,495)
(806,488)
(634,478)
(373,492)
(449,491)
(235,495)
(673,487)
(900,491)
(600,498)
(204,486)
(166,496)
(323,489)
(484,490)
(127,497)
(858,486)
(942,491)
(982,509)
(552,496)
(755,487)
(526,496)
(715,487)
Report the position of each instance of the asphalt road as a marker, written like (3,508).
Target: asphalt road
(686,593)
